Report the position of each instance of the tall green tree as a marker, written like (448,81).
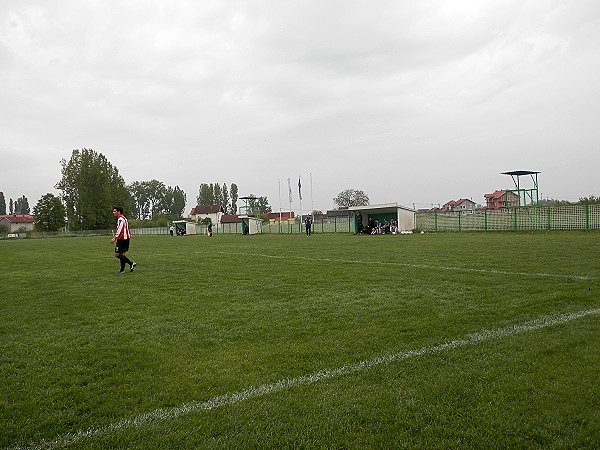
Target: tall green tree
(90,187)
(218,197)
(225,198)
(22,206)
(233,194)
(11,207)
(206,194)
(156,196)
(258,205)
(150,199)
(2,204)
(351,197)
(174,202)
(49,213)
(140,204)
(214,194)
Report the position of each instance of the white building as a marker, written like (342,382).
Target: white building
(404,215)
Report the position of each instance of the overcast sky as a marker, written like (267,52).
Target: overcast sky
(416,102)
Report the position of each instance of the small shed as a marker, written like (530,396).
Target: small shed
(183,227)
(250,224)
(404,215)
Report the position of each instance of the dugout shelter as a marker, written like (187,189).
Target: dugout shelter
(404,215)
(183,227)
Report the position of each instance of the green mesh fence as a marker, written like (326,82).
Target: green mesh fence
(327,225)
(529,218)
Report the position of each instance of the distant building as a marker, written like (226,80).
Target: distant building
(276,217)
(17,222)
(501,199)
(230,218)
(214,212)
(464,205)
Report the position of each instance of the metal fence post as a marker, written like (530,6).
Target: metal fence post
(485,220)
(587,217)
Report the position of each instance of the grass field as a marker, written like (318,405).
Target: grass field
(468,340)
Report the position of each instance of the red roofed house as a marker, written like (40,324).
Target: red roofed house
(230,218)
(501,199)
(215,212)
(17,222)
(463,205)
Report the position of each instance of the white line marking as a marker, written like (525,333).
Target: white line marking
(418,266)
(231,398)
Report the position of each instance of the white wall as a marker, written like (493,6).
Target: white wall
(406,220)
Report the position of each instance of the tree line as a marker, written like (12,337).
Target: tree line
(18,206)
(215,194)
(90,186)
(150,199)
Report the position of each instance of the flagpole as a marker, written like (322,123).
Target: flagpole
(312,205)
(290,196)
(279,188)
(300,197)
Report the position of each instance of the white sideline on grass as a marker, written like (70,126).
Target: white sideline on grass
(418,266)
(162,414)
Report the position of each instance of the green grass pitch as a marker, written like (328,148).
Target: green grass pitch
(470,340)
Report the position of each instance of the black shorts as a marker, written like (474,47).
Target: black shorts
(122,245)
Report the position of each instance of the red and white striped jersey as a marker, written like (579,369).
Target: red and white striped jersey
(122,228)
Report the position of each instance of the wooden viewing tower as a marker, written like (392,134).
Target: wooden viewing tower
(527,197)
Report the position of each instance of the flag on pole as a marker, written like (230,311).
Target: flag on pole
(299,188)
(290,190)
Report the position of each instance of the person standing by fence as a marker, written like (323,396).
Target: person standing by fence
(308,224)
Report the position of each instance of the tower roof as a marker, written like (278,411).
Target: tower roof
(519,172)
